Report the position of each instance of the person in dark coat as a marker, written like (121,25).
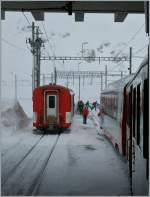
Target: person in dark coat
(87,104)
(95,104)
(101,116)
(85,113)
(80,106)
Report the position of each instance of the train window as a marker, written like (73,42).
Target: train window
(134,110)
(138,114)
(51,101)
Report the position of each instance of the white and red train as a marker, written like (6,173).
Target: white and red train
(53,107)
(126,123)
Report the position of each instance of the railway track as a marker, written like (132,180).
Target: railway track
(19,163)
(33,188)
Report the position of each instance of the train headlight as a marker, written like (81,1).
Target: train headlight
(34,116)
(68,117)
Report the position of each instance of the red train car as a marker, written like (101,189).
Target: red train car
(137,129)
(112,100)
(125,122)
(53,107)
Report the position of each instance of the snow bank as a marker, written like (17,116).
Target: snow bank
(13,115)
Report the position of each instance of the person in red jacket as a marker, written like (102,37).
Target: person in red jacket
(85,113)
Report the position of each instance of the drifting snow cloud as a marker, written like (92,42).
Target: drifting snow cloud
(112,52)
(52,34)
(91,55)
(105,44)
(121,44)
(66,35)
(21,29)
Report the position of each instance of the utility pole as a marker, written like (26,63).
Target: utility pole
(51,77)
(101,82)
(32,43)
(15,88)
(82,51)
(55,75)
(121,74)
(105,76)
(83,81)
(73,79)
(36,44)
(0,79)
(43,79)
(67,81)
(79,87)
(130,62)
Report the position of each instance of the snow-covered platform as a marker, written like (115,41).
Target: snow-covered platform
(78,162)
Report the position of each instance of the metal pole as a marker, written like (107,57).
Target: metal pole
(0,76)
(82,47)
(82,50)
(130,62)
(73,79)
(43,79)
(37,62)
(55,75)
(33,51)
(121,74)
(101,82)
(39,57)
(83,81)
(15,88)
(79,87)
(52,78)
(105,76)
(67,81)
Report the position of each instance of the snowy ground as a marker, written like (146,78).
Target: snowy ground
(76,162)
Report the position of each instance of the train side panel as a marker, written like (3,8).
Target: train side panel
(114,126)
(65,109)
(111,123)
(137,131)
(38,108)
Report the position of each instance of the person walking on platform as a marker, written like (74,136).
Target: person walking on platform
(101,115)
(87,104)
(80,106)
(85,113)
(95,105)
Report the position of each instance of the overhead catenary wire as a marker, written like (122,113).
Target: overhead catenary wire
(26,17)
(141,49)
(48,38)
(13,45)
(131,39)
(50,45)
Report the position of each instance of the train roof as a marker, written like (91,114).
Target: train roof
(117,85)
(143,63)
(53,86)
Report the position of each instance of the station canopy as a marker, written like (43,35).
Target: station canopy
(120,9)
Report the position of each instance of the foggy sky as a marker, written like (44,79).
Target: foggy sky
(66,36)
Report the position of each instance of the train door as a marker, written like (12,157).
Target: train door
(146,132)
(130,133)
(141,144)
(51,108)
